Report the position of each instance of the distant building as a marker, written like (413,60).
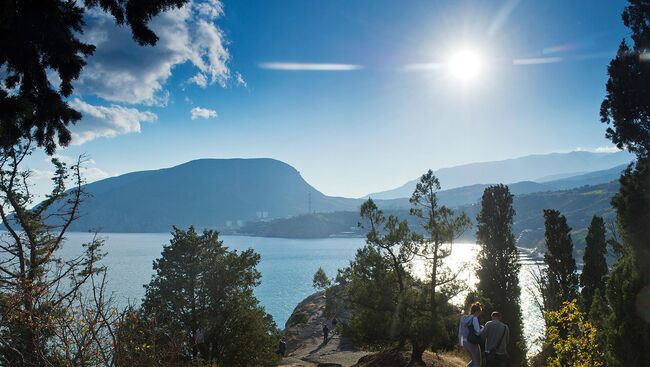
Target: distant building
(228,223)
(240,223)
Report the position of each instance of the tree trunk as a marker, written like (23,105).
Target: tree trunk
(416,355)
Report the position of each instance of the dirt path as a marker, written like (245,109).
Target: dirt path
(305,345)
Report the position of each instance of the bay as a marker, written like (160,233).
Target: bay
(287,267)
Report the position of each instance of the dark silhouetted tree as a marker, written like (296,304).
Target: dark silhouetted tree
(441,228)
(42,37)
(595,269)
(559,281)
(204,292)
(498,265)
(629,325)
(626,108)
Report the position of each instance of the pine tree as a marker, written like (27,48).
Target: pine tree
(204,292)
(39,39)
(595,264)
(559,279)
(626,109)
(498,265)
(629,325)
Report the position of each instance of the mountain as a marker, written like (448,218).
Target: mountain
(578,205)
(227,193)
(472,194)
(212,193)
(528,168)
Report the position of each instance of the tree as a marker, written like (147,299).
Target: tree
(441,228)
(595,268)
(559,278)
(390,249)
(39,38)
(204,292)
(573,338)
(321,281)
(54,311)
(628,329)
(498,265)
(626,107)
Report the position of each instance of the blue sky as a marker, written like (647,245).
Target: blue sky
(377,123)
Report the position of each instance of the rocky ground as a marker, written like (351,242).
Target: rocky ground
(306,347)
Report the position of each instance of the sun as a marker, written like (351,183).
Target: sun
(465,65)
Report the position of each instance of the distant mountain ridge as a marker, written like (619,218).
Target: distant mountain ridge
(227,193)
(528,168)
(213,193)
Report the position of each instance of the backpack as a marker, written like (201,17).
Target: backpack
(472,336)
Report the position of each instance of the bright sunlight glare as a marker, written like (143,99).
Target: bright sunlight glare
(465,65)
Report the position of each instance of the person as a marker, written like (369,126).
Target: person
(282,347)
(469,323)
(496,335)
(326,332)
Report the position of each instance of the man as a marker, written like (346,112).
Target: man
(496,335)
(326,331)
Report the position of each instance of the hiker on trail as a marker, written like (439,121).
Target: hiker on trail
(468,335)
(496,335)
(334,322)
(282,347)
(326,332)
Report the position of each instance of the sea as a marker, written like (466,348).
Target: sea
(286,266)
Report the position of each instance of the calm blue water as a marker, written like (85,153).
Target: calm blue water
(287,267)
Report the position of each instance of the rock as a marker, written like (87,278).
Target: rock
(329,365)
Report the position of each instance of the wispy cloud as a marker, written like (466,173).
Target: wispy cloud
(537,61)
(102,121)
(607,149)
(297,66)
(202,113)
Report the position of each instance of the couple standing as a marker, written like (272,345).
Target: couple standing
(495,335)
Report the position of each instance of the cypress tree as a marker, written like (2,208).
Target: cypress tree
(559,279)
(595,265)
(629,326)
(498,265)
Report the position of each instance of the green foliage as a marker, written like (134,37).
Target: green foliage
(573,339)
(320,280)
(595,269)
(47,316)
(498,265)
(626,107)
(628,331)
(39,38)
(204,292)
(559,281)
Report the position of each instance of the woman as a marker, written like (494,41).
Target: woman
(466,324)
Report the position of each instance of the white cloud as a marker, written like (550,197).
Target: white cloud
(239,80)
(203,113)
(92,174)
(297,66)
(123,71)
(102,121)
(537,61)
(607,149)
(199,79)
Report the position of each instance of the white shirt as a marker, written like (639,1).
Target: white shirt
(463,331)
